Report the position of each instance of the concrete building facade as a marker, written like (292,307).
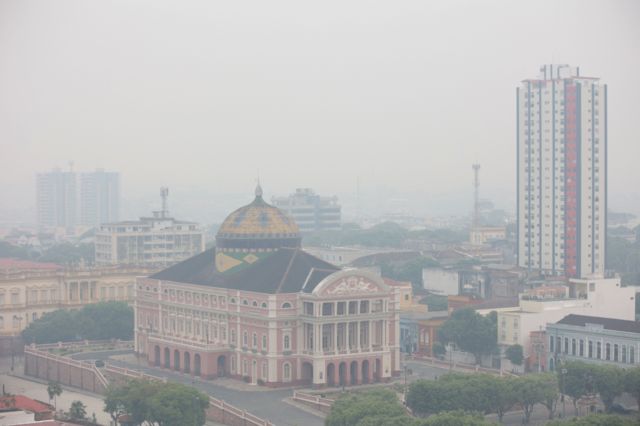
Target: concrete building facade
(562,173)
(56,200)
(595,340)
(311,211)
(99,197)
(259,308)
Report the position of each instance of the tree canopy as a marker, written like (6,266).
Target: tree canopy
(100,321)
(515,354)
(164,404)
(471,332)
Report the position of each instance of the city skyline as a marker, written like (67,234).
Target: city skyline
(389,116)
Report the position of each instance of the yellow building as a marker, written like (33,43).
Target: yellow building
(28,290)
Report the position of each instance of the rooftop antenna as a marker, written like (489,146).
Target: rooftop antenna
(164,194)
(476,187)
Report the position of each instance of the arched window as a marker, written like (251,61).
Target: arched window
(607,351)
(632,355)
(286,372)
(286,305)
(245,338)
(573,346)
(232,300)
(245,302)
(255,340)
(264,341)
(287,342)
(264,305)
(233,336)
(254,304)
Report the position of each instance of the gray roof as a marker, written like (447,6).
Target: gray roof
(607,323)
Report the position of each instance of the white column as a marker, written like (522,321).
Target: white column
(370,334)
(335,336)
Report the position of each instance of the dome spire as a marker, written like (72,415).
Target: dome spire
(258,190)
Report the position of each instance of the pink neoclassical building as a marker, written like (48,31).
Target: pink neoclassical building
(260,308)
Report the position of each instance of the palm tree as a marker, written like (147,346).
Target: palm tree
(54,390)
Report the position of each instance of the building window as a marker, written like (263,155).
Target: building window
(327,309)
(233,364)
(264,371)
(308,308)
(287,342)
(624,354)
(581,347)
(264,305)
(233,336)
(364,307)
(551,343)
(255,340)
(286,372)
(245,367)
(341,308)
(607,351)
(1,298)
(34,316)
(254,304)
(353,308)
(599,350)
(632,358)
(264,342)
(590,349)
(615,353)
(1,323)
(245,338)
(286,305)
(245,302)
(566,345)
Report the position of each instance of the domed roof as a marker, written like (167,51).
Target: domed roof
(258,225)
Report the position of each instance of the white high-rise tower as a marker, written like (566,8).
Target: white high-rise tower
(562,173)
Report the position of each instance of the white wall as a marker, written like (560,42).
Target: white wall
(441,281)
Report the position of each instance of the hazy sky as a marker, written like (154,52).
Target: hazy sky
(203,94)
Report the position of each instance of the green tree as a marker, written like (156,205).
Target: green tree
(502,397)
(549,384)
(528,391)
(352,409)
(164,404)
(515,354)
(576,380)
(471,332)
(632,383)
(54,390)
(104,320)
(78,411)
(609,383)
(596,420)
(456,418)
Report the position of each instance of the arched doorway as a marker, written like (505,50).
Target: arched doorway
(187,362)
(196,364)
(342,373)
(307,372)
(167,358)
(365,371)
(378,371)
(176,360)
(221,366)
(156,356)
(354,372)
(331,373)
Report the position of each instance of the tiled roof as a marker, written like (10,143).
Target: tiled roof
(21,402)
(287,270)
(10,264)
(607,323)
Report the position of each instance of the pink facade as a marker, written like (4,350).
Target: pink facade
(345,331)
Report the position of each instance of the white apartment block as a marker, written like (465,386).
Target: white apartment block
(152,241)
(99,197)
(562,173)
(311,211)
(56,199)
(605,298)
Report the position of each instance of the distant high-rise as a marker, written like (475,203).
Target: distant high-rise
(99,197)
(311,211)
(56,199)
(562,172)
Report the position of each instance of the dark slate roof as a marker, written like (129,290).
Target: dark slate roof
(287,270)
(607,323)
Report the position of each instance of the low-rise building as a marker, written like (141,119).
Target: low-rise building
(159,240)
(594,340)
(595,296)
(29,289)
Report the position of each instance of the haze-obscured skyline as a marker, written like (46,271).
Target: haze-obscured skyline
(404,96)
